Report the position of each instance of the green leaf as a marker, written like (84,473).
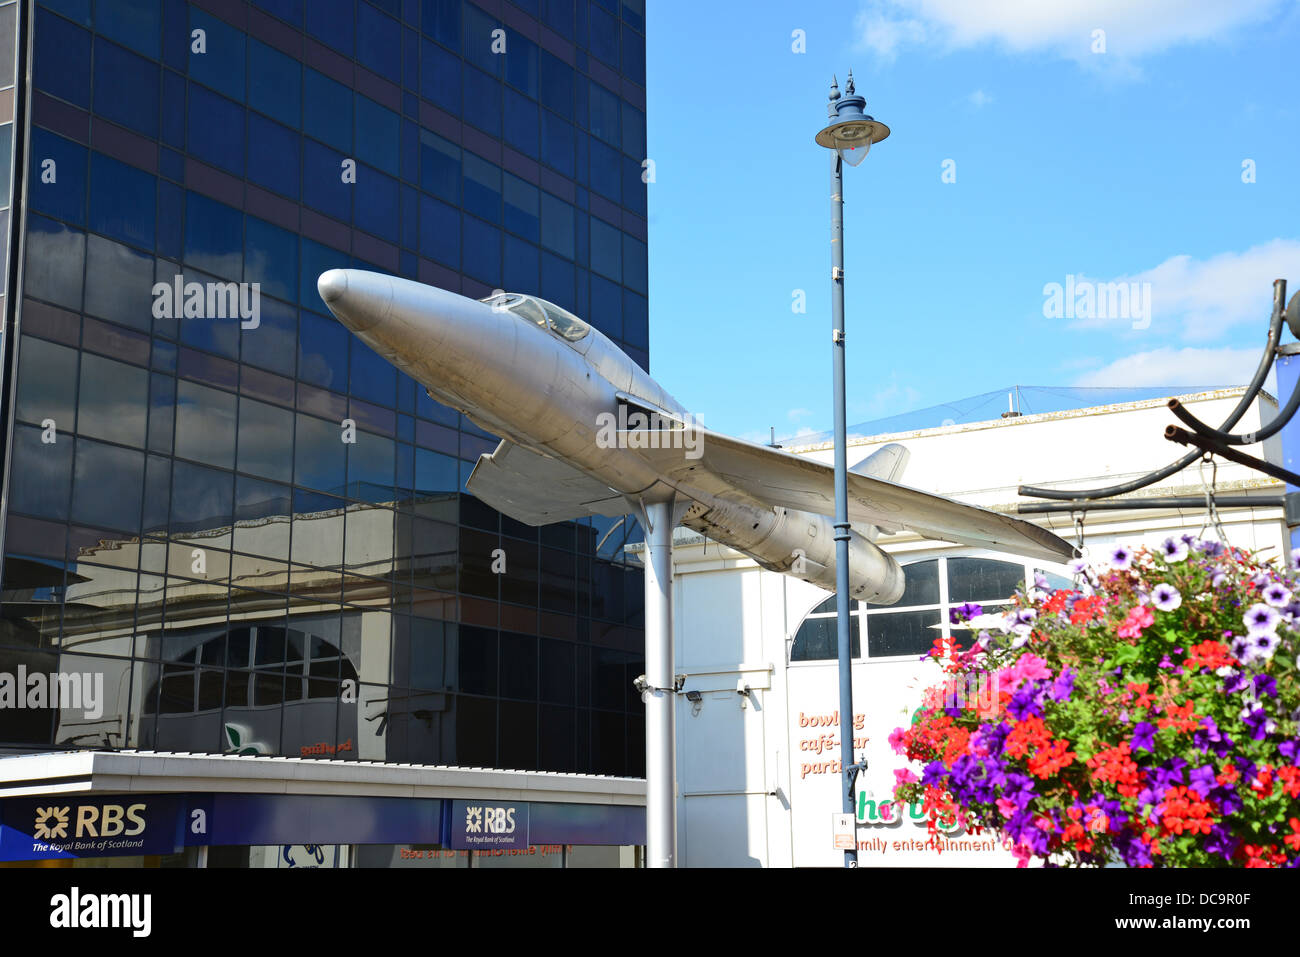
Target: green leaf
(1125,655)
(232,735)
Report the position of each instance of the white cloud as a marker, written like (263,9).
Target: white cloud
(1177,367)
(794,415)
(1060,26)
(1199,299)
(980,99)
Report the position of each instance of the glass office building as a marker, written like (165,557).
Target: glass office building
(252,528)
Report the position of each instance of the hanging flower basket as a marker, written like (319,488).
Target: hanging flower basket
(1147,717)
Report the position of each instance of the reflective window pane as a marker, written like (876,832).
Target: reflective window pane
(107,486)
(982,579)
(265,440)
(56,257)
(902,633)
(119,283)
(205,424)
(922,585)
(41,476)
(275,83)
(113,400)
(318,454)
(47,381)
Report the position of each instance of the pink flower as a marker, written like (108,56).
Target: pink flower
(1138,617)
(1007,808)
(904,776)
(896,740)
(1029,667)
(1032,666)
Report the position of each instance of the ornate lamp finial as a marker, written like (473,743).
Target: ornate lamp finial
(835,89)
(848,87)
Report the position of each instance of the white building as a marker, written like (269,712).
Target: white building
(758,773)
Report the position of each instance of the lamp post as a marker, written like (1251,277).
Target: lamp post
(848,136)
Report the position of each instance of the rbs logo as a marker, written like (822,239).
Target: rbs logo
(110,821)
(493,820)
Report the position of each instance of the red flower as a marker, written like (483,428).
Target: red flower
(1293,839)
(1181,718)
(1144,699)
(1185,811)
(1289,775)
(1047,760)
(1263,783)
(1114,764)
(1209,654)
(1263,856)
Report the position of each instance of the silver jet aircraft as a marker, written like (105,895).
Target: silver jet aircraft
(585,431)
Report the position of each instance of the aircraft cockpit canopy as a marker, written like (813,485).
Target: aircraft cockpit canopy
(545,314)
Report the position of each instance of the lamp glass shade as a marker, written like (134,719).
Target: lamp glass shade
(853,155)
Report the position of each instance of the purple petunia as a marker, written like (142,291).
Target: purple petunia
(1166,597)
(1260,724)
(1173,549)
(1276,595)
(1121,558)
(1026,702)
(1263,645)
(1261,619)
(1144,737)
(1063,686)
(1202,780)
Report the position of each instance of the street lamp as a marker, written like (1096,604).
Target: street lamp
(849,136)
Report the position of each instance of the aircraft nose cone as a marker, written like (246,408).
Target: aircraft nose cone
(360,300)
(332,284)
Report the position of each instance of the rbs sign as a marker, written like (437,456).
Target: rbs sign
(477,826)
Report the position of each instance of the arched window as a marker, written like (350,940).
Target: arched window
(909,627)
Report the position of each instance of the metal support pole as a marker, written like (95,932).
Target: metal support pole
(659,696)
(1288,378)
(848,770)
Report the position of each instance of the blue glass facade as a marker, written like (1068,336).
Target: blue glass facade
(185,513)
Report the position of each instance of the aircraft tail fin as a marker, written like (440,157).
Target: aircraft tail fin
(886,463)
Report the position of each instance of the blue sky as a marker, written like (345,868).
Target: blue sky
(1125,165)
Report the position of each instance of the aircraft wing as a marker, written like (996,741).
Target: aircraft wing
(537,490)
(737,470)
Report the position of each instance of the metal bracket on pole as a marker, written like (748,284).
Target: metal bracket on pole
(851,774)
(1206,444)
